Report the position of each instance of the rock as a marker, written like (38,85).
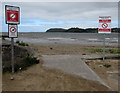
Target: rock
(11,78)
(51,48)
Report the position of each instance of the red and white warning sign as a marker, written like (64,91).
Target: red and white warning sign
(13,30)
(104,24)
(12,14)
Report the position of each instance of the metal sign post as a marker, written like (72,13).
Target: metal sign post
(12,52)
(104,47)
(12,16)
(104,27)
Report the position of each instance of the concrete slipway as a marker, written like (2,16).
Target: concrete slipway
(72,64)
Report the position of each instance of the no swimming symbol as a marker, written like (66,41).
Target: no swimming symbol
(104,25)
(12,15)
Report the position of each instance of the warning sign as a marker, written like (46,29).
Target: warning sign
(104,24)
(13,30)
(12,14)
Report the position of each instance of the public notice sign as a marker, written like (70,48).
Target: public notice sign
(12,14)
(13,30)
(104,24)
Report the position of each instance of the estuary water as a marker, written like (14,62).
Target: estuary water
(69,38)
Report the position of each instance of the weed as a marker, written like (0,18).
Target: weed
(22,43)
(3,38)
(106,51)
(114,51)
(17,42)
(107,65)
(96,50)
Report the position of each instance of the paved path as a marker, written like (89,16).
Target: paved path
(71,64)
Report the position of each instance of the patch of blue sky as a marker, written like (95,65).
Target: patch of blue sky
(37,22)
(114,21)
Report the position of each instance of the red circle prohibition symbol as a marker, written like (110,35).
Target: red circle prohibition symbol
(12,15)
(12,29)
(104,25)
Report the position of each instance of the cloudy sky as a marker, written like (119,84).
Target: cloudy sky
(40,16)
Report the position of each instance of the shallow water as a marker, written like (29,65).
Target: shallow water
(69,38)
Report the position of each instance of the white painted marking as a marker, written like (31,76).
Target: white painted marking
(94,39)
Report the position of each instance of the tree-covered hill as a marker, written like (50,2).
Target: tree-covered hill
(80,30)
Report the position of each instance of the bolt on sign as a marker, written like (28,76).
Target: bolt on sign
(13,30)
(12,14)
(104,24)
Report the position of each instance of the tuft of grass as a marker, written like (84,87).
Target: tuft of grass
(17,42)
(22,43)
(114,51)
(3,38)
(106,51)
(30,61)
(96,50)
(107,65)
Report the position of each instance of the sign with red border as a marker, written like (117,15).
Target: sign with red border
(104,24)
(13,30)
(12,14)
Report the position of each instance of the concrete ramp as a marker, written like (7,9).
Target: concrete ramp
(71,64)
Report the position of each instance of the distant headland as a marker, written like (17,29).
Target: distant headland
(80,30)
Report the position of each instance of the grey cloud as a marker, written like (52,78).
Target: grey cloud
(67,10)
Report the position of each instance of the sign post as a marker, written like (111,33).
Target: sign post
(104,28)
(104,47)
(12,15)
(12,52)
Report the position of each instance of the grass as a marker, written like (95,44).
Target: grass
(107,65)
(27,61)
(17,42)
(113,51)
(3,38)
(22,43)
(30,61)
(97,50)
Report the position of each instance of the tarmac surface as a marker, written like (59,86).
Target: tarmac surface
(71,64)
